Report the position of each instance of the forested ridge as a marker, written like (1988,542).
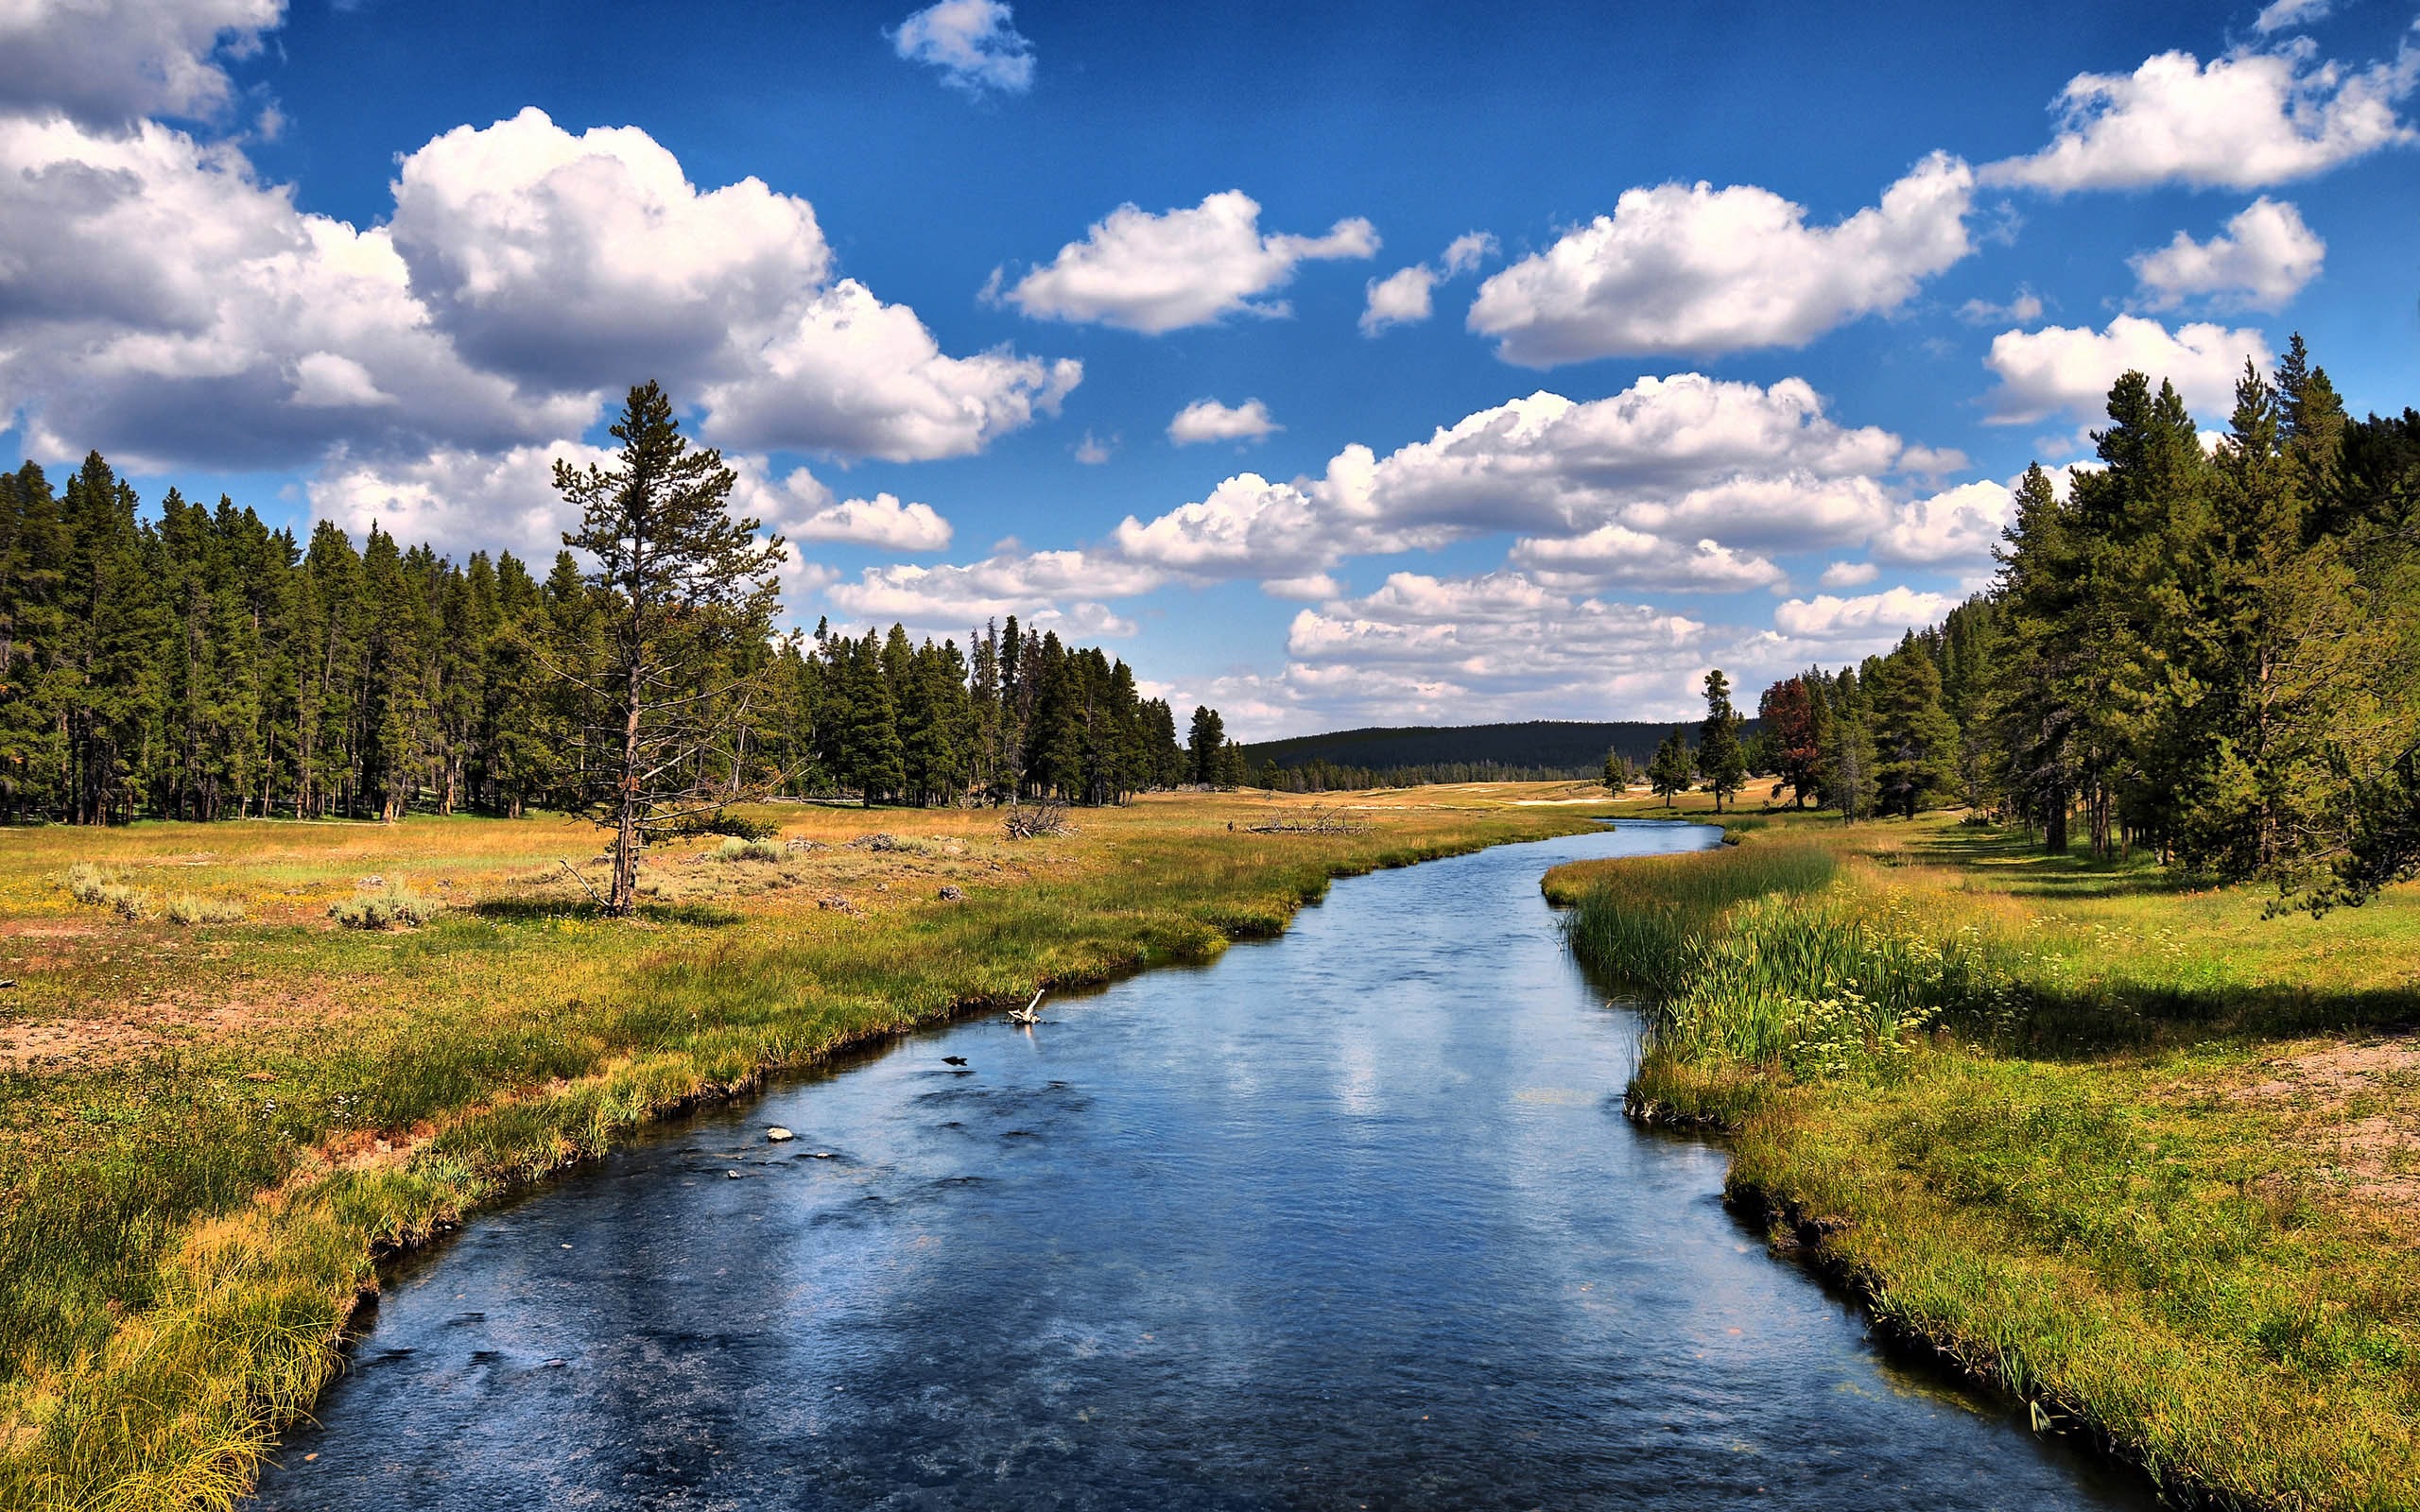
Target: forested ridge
(2209,652)
(200,665)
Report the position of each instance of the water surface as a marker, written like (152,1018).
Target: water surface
(1350,1219)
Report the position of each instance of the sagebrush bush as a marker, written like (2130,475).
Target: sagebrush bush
(193,908)
(739,849)
(104,887)
(394,907)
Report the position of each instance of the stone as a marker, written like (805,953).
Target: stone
(778,1135)
(951,893)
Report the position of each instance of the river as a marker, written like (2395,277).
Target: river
(1349,1219)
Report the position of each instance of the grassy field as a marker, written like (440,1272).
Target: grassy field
(2125,1148)
(219,1105)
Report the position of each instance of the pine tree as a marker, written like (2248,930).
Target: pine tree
(1721,761)
(1674,764)
(1915,742)
(681,581)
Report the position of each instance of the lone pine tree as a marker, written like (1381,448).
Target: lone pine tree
(687,598)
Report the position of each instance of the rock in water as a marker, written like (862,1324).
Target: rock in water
(777,1135)
(731,1175)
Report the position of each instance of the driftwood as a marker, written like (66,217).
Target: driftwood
(1030,1013)
(1050,816)
(1318,821)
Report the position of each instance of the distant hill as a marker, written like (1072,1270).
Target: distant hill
(1563,747)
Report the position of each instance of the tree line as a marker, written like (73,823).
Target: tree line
(194,664)
(2208,652)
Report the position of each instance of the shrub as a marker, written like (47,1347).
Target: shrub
(193,908)
(394,907)
(752,850)
(104,887)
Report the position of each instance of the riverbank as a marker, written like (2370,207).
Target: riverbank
(2124,1148)
(209,1131)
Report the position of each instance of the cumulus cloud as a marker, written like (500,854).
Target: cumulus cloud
(163,304)
(848,373)
(1184,267)
(1093,451)
(1466,252)
(468,501)
(1043,588)
(881,520)
(2261,260)
(1883,616)
(573,262)
(1497,645)
(1956,525)
(1687,460)
(1402,298)
(2245,120)
(2070,370)
(1694,269)
(1850,573)
(106,62)
(1206,420)
(1399,299)
(1618,555)
(973,42)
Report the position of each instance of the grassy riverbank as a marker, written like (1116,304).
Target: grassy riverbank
(209,1129)
(2124,1148)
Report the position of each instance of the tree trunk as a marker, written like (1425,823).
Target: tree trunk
(625,832)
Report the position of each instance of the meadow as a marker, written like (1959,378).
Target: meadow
(241,1063)
(2125,1148)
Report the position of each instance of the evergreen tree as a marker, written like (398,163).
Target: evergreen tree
(682,583)
(1721,760)
(1209,734)
(1669,773)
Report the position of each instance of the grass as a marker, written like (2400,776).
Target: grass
(2116,1144)
(207,1137)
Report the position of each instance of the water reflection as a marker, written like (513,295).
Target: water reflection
(1350,1219)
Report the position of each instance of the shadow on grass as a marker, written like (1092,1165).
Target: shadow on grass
(2021,866)
(2089,1025)
(538,910)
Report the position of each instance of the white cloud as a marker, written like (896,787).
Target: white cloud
(1869,618)
(165,305)
(1686,458)
(2070,370)
(1206,420)
(462,501)
(1042,588)
(1466,252)
(2280,15)
(106,62)
(581,262)
(1850,573)
(850,374)
(1184,267)
(1961,526)
(1616,554)
(1453,651)
(973,42)
(2261,260)
(1403,296)
(590,261)
(881,520)
(2245,120)
(1694,269)
(1399,299)
(1093,451)
(2024,307)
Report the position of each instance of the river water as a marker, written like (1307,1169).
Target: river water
(1350,1219)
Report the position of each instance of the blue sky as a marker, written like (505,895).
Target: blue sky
(1334,365)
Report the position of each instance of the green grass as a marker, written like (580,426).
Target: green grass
(190,1216)
(2117,1145)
